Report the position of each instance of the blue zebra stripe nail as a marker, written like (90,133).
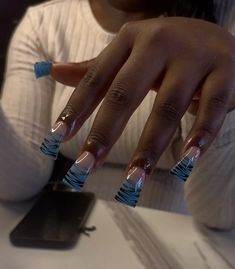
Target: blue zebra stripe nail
(78,173)
(182,169)
(51,144)
(185,166)
(76,177)
(129,192)
(42,69)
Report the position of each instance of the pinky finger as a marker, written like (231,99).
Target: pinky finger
(217,94)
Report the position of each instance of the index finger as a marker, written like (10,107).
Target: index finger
(87,95)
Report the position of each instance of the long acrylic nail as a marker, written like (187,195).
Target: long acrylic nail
(130,191)
(50,145)
(42,69)
(184,167)
(78,173)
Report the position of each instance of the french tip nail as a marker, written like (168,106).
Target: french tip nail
(72,186)
(129,192)
(79,172)
(42,69)
(49,154)
(51,143)
(184,167)
(76,177)
(120,200)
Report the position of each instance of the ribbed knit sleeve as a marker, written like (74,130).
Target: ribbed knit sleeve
(67,31)
(210,189)
(25,112)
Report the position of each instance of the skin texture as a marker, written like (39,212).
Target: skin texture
(180,58)
(131,5)
(112,14)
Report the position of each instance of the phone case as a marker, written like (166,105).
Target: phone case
(54,221)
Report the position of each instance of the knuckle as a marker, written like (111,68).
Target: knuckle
(118,95)
(168,111)
(126,27)
(127,33)
(218,101)
(162,32)
(98,137)
(206,130)
(155,36)
(92,78)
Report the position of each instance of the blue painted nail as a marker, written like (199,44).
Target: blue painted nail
(50,145)
(42,69)
(130,191)
(79,172)
(185,166)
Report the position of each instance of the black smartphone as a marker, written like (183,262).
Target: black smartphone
(54,221)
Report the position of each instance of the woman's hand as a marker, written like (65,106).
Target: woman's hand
(182,59)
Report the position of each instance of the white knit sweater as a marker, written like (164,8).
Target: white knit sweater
(67,31)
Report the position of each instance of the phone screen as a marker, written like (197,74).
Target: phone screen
(54,221)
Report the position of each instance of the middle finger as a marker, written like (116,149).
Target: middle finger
(124,95)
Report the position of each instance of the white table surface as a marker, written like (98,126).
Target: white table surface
(125,238)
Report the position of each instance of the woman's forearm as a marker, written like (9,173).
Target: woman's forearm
(23,170)
(25,113)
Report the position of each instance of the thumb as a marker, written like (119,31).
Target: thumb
(68,74)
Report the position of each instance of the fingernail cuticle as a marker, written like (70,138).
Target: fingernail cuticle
(42,69)
(185,166)
(129,192)
(79,172)
(50,145)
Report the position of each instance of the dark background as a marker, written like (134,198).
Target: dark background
(11,11)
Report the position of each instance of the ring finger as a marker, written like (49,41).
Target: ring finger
(170,104)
